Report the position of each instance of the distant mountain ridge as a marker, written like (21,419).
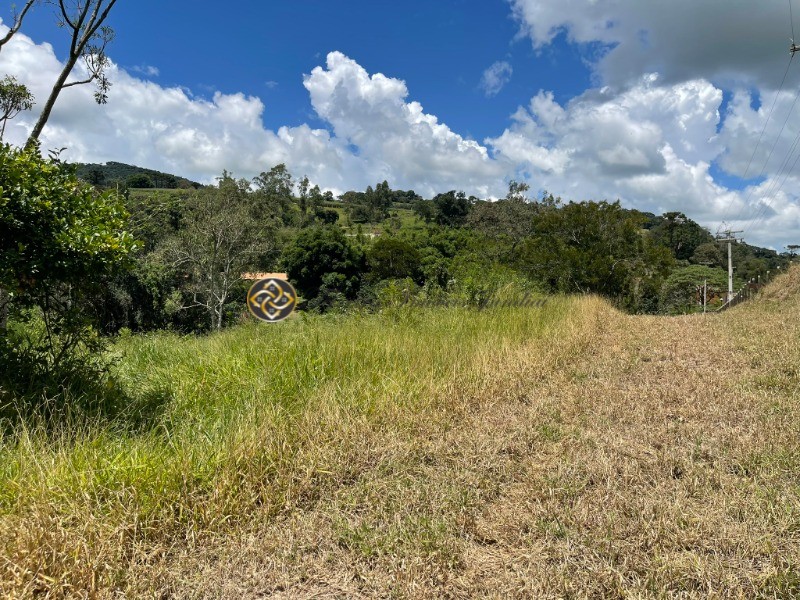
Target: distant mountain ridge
(113,173)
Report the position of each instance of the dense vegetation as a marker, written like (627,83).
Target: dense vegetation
(78,262)
(369,248)
(566,450)
(555,448)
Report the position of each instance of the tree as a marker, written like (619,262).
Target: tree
(424,209)
(371,205)
(680,234)
(682,293)
(60,241)
(273,198)
(516,191)
(88,40)
(452,208)
(54,229)
(219,240)
(95,176)
(140,180)
(326,215)
(321,263)
(391,258)
(511,218)
(709,254)
(303,189)
(14,98)
(595,247)
(381,201)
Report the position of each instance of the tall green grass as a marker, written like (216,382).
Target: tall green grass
(258,417)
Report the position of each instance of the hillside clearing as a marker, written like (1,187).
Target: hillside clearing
(577,452)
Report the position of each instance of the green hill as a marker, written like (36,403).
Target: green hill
(116,173)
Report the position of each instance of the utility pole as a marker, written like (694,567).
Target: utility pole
(705,286)
(730,237)
(704,289)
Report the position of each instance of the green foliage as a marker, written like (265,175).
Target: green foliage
(372,205)
(218,241)
(116,173)
(680,234)
(682,290)
(140,180)
(324,266)
(95,177)
(60,241)
(752,262)
(392,258)
(14,98)
(451,209)
(504,218)
(54,229)
(425,210)
(595,247)
(709,254)
(450,246)
(273,200)
(326,215)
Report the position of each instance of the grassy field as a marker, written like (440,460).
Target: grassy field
(563,451)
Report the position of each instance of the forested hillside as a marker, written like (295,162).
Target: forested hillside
(116,174)
(367,249)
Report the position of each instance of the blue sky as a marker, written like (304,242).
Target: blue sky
(439,48)
(660,105)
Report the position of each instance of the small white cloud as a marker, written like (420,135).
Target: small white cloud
(146,70)
(496,77)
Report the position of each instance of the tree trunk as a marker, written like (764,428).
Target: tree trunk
(51,101)
(83,31)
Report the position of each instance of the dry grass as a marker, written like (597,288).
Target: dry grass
(606,456)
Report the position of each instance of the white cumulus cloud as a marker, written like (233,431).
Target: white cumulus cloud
(694,50)
(378,134)
(396,138)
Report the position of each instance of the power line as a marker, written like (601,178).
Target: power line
(792,50)
(763,130)
(776,185)
(771,152)
(761,211)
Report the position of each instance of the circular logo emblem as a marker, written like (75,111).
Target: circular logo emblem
(271,300)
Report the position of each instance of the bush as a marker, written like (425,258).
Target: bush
(60,241)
